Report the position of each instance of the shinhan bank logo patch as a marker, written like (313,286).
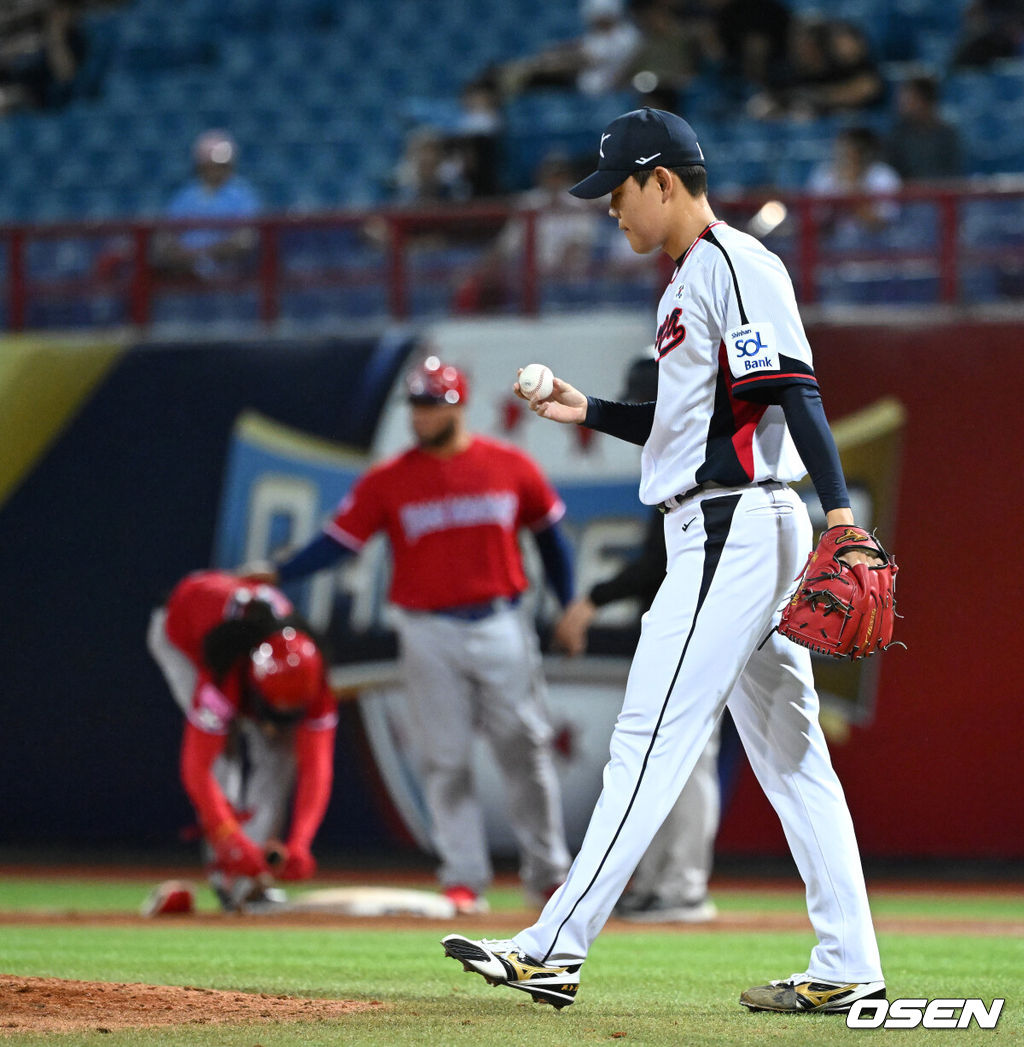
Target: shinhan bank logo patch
(752,348)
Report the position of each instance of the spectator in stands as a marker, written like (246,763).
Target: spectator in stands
(476,137)
(749,38)
(992,30)
(216,191)
(921,145)
(429,171)
(855,168)
(42,48)
(828,69)
(857,82)
(805,68)
(594,63)
(567,231)
(670,54)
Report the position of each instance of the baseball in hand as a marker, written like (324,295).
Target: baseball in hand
(536,381)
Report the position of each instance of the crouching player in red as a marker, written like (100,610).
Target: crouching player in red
(260,721)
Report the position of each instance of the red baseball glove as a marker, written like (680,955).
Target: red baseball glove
(842,610)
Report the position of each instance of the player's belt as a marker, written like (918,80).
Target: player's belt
(677,500)
(475,612)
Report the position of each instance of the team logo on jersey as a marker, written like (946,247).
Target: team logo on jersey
(447,514)
(752,348)
(671,334)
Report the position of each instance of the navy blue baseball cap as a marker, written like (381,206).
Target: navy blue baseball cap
(639,141)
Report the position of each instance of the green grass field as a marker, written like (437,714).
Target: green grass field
(659,988)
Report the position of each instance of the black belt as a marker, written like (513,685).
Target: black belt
(677,500)
(475,612)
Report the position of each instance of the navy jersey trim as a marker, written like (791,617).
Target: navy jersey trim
(767,386)
(718,514)
(712,239)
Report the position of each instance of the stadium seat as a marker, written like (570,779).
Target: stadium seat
(320,100)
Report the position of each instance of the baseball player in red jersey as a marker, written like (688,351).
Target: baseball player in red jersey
(452,507)
(737,417)
(259,718)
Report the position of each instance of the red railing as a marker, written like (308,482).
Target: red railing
(814,251)
(393,251)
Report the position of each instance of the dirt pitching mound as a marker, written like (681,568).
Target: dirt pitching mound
(56,1005)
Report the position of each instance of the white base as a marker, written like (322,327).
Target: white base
(373,901)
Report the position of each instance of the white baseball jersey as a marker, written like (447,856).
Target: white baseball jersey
(729,338)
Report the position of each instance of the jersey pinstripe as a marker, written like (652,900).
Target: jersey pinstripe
(729,340)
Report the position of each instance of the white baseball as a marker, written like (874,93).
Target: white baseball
(536,381)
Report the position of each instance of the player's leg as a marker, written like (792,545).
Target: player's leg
(671,881)
(513,716)
(259,786)
(712,609)
(268,786)
(775,708)
(442,722)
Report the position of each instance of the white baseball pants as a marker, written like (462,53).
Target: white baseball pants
(732,557)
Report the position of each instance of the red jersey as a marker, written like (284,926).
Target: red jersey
(200,602)
(453,522)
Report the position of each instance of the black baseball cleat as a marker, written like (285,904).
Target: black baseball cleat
(499,961)
(802,994)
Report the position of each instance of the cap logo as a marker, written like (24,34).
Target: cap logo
(648,159)
(699,150)
(600,148)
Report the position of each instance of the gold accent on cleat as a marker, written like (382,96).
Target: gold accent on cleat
(820,997)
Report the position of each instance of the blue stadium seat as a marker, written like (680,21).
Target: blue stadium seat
(878,284)
(320,100)
(190,308)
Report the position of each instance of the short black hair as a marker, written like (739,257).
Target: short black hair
(927,87)
(694,178)
(864,139)
(227,643)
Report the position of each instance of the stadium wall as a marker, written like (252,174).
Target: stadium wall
(113,484)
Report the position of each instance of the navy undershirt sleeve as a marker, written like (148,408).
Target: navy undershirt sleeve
(805,418)
(556,556)
(630,422)
(321,552)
